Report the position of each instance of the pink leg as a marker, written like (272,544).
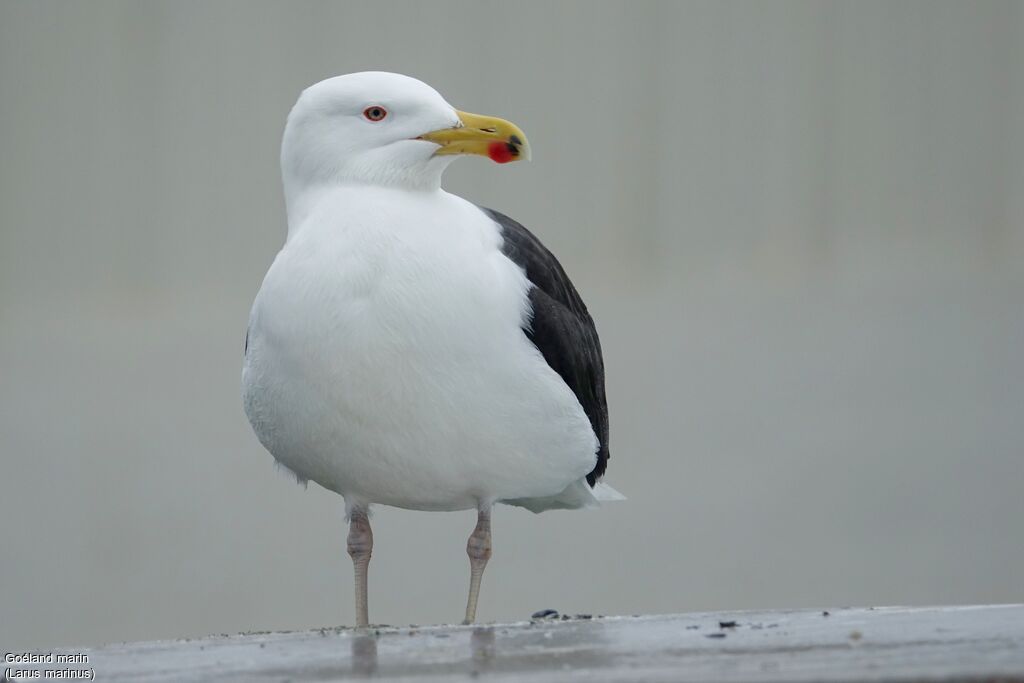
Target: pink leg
(479,550)
(360,546)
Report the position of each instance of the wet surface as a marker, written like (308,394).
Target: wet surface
(942,643)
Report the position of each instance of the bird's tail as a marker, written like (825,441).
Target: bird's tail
(576,495)
(606,494)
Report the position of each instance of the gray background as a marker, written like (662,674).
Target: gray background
(800,227)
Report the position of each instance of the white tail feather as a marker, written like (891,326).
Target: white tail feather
(576,495)
(606,494)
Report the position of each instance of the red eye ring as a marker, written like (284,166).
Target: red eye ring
(375,113)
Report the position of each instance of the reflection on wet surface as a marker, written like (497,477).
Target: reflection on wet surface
(481,647)
(523,647)
(364,654)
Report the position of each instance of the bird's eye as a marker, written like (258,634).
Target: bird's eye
(375,113)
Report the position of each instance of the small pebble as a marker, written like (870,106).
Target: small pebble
(545,614)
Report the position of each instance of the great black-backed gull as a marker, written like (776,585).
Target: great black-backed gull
(408,347)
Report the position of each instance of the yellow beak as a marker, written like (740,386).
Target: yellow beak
(497,139)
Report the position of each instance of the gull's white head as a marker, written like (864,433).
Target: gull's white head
(384,129)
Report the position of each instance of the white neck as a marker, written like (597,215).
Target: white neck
(307,180)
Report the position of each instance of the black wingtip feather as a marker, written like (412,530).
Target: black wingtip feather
(561,328)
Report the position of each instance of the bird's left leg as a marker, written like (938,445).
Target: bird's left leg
(479,550)
(360,546)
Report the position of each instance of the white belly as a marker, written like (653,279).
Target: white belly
(386,361)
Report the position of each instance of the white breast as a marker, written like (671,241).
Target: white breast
(386,359)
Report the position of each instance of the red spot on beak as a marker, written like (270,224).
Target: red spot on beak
(500,152)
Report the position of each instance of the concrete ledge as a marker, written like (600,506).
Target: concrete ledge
(876,644)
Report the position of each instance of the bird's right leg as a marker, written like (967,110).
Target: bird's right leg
(479,550)
(360,546)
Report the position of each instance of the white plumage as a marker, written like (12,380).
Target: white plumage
(387,362)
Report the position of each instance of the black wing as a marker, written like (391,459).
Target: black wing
(561,328)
